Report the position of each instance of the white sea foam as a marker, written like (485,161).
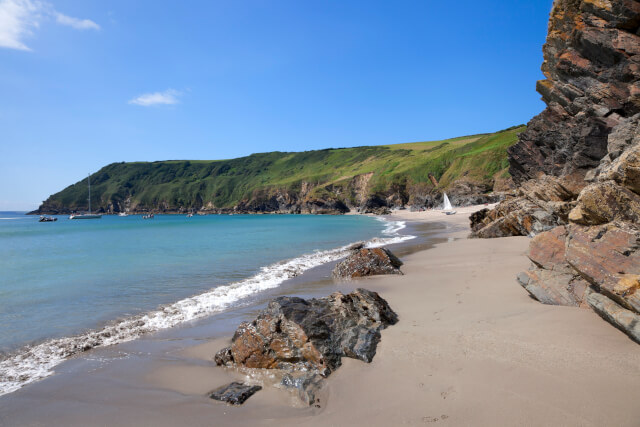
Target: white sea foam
(36,362)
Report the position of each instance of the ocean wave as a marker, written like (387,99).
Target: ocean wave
(33,363)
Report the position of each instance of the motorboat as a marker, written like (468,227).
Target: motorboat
(47,219)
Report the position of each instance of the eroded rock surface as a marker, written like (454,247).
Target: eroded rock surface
(551,280)
(592,70)
(368,262)
(295,334)
(537,206)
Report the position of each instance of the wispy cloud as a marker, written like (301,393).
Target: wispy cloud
(168,97)
(20,18)
(78,24)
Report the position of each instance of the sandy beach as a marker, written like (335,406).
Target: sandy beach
(471,348)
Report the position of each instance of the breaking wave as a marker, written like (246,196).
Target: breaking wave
(33,363)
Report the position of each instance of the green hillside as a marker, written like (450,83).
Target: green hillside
(176,184)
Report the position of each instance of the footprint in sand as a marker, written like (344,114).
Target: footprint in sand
(434,419)
(447,392)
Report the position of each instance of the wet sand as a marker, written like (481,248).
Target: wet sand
(471,348)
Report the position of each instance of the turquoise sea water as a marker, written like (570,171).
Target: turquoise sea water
(71,284)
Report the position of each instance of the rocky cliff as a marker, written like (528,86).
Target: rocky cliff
(578,166)
(592,68)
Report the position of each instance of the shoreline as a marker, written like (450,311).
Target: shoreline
(36,361)
(471,348)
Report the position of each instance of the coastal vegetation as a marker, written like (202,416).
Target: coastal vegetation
(348,175)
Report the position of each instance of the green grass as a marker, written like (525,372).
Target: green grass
(223,183)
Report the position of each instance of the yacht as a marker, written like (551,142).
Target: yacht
(86,215)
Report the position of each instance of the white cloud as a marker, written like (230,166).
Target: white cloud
(78,24)
(19,19)
(168,97)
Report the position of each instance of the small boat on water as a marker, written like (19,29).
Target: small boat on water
(189,215)
(149,216)
(47,219)
(447,208)
(123,214)
(86,215)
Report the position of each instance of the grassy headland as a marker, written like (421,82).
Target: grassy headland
(348,175)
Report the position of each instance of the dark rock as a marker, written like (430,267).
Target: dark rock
(356,246)
(477,219)
(374,204)
(368,262)
(234,393)
(300,335)
(223,357)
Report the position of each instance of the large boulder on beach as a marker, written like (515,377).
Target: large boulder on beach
(298,335)
(368,262)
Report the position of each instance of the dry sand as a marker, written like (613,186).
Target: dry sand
(471,349)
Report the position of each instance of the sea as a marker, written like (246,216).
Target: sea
(72,285)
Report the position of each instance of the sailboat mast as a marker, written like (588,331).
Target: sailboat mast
(89,182)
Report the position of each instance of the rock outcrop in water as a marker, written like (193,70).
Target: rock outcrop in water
(367,262)
(582,157)
(309,338)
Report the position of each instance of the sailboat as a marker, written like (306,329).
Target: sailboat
(86,215)
(447,208)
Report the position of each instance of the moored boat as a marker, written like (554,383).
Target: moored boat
(44,218)
(86,215)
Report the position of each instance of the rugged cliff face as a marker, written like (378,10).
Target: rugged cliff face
(578,166)
(592,68)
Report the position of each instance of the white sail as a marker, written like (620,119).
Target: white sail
(447,204)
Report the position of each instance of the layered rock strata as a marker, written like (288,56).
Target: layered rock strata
(592,68)
(586,249)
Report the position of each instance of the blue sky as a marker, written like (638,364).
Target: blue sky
(87,83)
